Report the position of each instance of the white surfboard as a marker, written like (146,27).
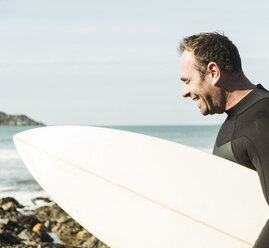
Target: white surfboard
(132,190)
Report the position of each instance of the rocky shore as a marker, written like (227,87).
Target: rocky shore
(44,227)
(17,120)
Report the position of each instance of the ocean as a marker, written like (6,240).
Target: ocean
(16,181)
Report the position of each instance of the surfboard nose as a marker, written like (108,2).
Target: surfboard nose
(29,134)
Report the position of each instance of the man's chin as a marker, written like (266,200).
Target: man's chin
(204,111)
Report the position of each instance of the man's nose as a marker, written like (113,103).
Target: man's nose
(186,90)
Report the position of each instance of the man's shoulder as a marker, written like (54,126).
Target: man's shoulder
(257,113)
(258,100)
(258,109)
(261,99)
(261,92)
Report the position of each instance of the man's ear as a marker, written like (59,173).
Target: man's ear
(213,72)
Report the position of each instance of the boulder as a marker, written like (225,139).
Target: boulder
(8,239)
(10,199)
(52,212)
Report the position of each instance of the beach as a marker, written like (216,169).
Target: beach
(48,225)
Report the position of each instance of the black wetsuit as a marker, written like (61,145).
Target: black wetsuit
(244,138)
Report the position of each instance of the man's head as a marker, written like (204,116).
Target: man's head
(205,59)
(213,47)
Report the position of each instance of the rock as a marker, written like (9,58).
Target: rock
(83,235)
(43,245)
(44,199)
(13,227)
(17,120)
(24,235)
(4,221)
(8,239)
(12,215)
(28,221)
(67,231)
(2,211)
(45,237)
(52,212)
(37,237)
(9,206)
(10,199)
(64,219)
(38,227)
(91,242)
(47,224)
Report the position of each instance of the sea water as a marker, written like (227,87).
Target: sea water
(16,181)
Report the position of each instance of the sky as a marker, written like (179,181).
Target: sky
(89,62)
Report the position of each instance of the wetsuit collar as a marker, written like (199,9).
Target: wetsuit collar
(254,96)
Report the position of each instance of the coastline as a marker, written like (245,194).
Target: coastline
(44,226)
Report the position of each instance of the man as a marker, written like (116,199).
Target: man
(210,68)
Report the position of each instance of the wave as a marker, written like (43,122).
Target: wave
(9,154)
(6,189)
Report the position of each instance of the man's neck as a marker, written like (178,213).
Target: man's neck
(238,88)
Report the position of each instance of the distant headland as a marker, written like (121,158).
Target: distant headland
(17,120)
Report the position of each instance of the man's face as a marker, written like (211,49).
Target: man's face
(202,91)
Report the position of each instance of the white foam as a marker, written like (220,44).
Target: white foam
(9,154)
(6,189)
(25,197)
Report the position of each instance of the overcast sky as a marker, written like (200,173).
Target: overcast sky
(115,62)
